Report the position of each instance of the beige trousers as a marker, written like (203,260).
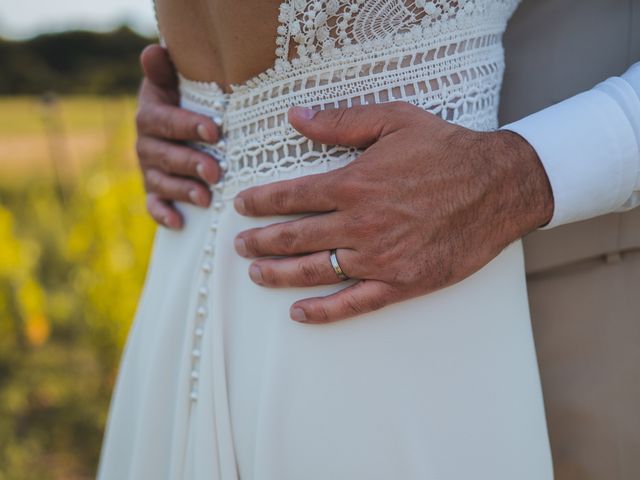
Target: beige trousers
(586,322)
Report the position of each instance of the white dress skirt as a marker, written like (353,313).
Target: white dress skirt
(216,381)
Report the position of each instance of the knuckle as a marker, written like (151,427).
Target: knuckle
(163,184)
(252,244)
(141,120)
(167,129)
(309,273)
(399,112)
(162,120)
(140,148)
(297,189)
(350,186)
(279,200)
(151,180)
(322,313)
(366,227)
(359,230)
(376,302)
(287,239)
(384,257)
(409,277)
(162,160)
(353,305)
(339,118)
(377,228)
(270,276)
(399,106)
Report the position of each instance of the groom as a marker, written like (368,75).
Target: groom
(583,277)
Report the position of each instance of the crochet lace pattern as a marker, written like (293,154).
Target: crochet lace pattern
(444,56)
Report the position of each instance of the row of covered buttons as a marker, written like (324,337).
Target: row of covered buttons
(207,266)
(201,309)
(221,144)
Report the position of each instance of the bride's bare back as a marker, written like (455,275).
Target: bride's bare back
(225,41)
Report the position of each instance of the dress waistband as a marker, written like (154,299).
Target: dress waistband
(459,80)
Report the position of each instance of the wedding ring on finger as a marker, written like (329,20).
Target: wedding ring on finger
(336,265)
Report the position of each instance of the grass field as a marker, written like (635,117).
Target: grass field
(75,240)
(35,132)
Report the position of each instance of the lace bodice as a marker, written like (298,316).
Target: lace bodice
(444,56)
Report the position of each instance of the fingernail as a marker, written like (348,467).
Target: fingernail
(298,315)
(304,113)
(241,247)
(193,196)
(200,170)
(203,133)
(168,223)
(238,204)
(255,273)
(197,199)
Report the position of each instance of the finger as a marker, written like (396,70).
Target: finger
(306,194)
(362,297)
(358,126)
(177,159)
(163,212)
(157,66)
(305,271)
(170,122)
(303,235)
(173,188)
(160,88)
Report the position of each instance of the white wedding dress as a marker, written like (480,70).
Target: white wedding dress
(217,383)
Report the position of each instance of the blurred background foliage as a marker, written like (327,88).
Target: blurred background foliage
(72,62)
(74,244)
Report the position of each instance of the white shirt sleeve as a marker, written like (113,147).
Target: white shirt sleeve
(589,146)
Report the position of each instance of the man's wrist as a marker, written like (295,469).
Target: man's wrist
(533,205)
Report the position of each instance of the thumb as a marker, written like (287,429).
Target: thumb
(157,66)
(358,126)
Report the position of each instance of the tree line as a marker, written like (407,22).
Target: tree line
(72,62)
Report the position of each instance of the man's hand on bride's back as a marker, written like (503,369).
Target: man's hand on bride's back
(171,170)
(427,204)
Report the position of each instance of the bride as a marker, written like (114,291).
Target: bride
(216,381)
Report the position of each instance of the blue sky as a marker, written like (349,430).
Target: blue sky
(25,18)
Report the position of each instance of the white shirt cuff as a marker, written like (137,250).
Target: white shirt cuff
(589,146)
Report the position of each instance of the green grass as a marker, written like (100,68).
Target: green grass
(60,136)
